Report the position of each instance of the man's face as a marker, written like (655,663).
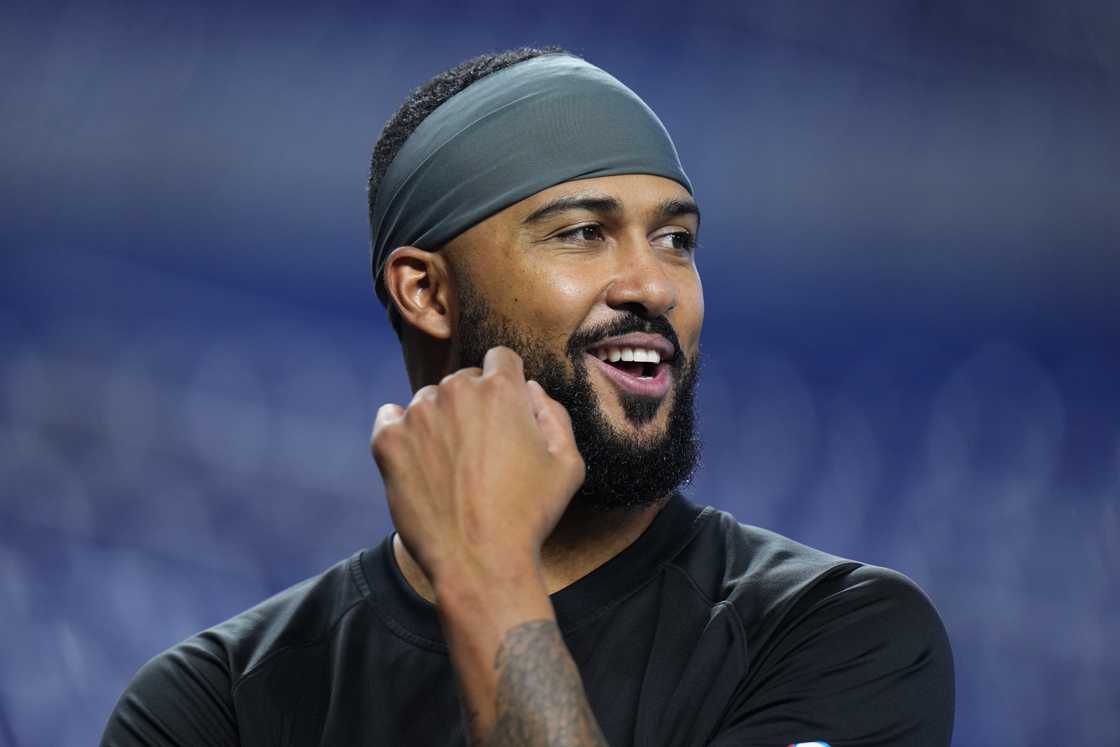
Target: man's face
(567,277)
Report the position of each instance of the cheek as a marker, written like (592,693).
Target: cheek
(698,313)
(688,317)
(569,292)
(555,300)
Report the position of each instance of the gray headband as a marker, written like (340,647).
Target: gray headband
(533,125)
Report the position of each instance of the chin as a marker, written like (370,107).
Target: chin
(642,424)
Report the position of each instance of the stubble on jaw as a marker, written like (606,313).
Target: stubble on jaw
(624,471)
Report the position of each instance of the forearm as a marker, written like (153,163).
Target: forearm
(518,681)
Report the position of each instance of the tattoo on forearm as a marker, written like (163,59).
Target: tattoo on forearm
(540,698)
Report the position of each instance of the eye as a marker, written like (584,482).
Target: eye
(680,240)
(590,232)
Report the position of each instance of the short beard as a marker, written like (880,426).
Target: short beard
(624,471)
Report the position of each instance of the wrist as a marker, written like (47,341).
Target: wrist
(480,571)
(510,595)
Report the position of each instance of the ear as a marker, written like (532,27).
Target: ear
(418,283)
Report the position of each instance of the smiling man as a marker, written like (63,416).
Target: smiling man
(534,241)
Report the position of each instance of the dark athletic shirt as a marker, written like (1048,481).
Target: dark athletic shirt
(703,632)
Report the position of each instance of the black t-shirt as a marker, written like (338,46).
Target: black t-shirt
(703,632)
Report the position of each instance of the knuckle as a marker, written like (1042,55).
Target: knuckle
(425,395)
(383,439)
(498,386)
(506,356)
(577,466)
(560,411)
(460,378)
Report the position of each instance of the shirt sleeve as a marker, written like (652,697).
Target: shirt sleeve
(862,661)
(181,698)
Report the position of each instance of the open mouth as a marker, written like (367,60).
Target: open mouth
(633,361)
(635,370)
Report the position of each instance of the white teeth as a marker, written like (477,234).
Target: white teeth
(634,355)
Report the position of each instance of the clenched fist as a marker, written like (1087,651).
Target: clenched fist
(477,469)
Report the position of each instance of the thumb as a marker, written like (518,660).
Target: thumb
(552,419)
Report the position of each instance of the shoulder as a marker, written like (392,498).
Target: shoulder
(857,649)
(779,588)
(185,694)
(755,569)
(297,616)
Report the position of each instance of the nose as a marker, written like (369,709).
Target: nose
(640,282)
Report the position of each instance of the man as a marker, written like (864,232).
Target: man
(533,239)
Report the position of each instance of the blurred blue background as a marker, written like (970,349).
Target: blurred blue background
(910,250)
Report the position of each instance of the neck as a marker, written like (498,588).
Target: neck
(582,541)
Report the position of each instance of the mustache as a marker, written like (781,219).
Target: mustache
(624,325)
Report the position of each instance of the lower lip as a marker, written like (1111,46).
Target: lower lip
(655,386)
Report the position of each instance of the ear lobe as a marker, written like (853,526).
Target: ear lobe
(416,281)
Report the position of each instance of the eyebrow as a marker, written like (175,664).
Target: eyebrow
(670,208)
(574,202)
(674,208)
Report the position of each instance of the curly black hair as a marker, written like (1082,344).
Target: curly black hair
(422,102)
